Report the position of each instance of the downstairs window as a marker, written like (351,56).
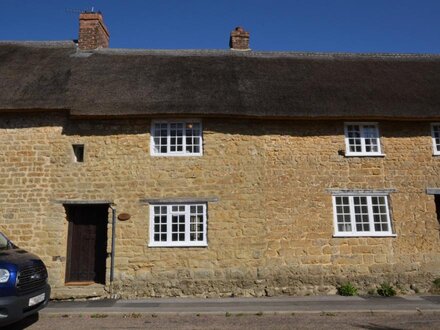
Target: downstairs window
(361,215)
(178,225)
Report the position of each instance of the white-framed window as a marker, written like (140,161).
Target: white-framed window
(361,215)
(435,130)
(178,225)
(176,138)
(362,139)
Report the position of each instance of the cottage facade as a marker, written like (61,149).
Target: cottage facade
(143,173)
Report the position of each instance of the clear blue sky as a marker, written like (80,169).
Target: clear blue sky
(403,26)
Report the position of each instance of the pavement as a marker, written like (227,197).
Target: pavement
(309,304)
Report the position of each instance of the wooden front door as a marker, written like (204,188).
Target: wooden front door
(86,243)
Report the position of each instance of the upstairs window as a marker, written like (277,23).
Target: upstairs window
(176,138)
(361,215)
(362,139)
(435,130)
(178,225)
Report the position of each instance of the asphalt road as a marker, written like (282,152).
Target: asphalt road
(232,321)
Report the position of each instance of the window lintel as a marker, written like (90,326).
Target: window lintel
(179,200)
(433,191)
(360,192)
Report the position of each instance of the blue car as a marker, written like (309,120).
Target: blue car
(23,283)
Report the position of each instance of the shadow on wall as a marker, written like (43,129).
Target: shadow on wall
(240,126)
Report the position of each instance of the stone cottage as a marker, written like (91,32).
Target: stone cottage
(146,173)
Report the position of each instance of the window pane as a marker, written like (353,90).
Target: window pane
(192,133)
(361,214)
(380,214)
(344,227)
(160,223)
(370,131)
(160,138)
(436,137)
(343,214)
(178,227)
(353,131)
(196,223)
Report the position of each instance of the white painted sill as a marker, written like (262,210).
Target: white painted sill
(178,245)
(364,155)
(349,235)
(177,155)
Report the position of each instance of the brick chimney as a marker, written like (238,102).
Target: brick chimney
(92,31)
(239,39)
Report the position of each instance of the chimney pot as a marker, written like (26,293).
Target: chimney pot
(93,33)
(239,39)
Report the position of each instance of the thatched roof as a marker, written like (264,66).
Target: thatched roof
(113,82)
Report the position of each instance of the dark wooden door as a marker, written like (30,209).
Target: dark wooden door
(87,243)
(437,206)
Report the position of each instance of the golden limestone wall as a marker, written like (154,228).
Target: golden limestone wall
(269,233)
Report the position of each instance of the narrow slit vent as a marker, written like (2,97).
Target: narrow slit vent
(78,152)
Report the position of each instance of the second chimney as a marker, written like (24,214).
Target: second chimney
(93,33)
(239,39)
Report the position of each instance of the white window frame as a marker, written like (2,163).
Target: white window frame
(352,215)
(187,242)
(435,128)
(362,137)
(170,153)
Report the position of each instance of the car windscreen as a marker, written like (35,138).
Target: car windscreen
(4,243)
